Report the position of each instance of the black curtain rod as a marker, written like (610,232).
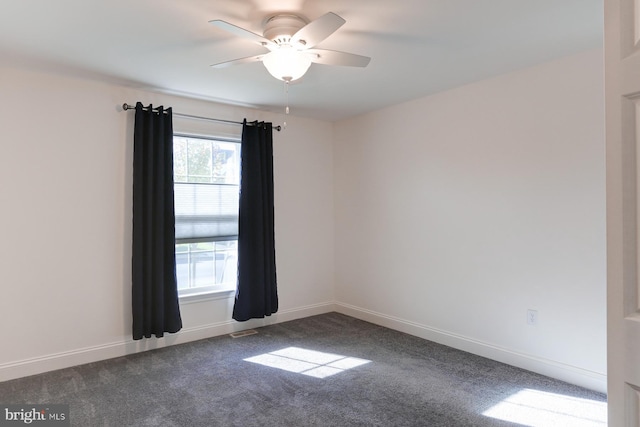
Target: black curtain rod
(126,107)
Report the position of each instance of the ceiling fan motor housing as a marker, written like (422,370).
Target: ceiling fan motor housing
(280,28)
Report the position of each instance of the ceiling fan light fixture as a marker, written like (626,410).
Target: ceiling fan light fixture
(287,63)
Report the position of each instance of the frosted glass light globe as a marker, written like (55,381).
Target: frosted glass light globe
(286,63)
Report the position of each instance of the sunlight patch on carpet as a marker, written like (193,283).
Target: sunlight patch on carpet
(307,362)
(537,408)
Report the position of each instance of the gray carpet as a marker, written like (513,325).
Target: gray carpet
(407,382)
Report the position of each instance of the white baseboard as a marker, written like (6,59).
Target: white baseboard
(572,374)
(51,362)
(568,373)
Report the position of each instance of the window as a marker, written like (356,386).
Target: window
(206,186)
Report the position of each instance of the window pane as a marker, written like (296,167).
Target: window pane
(206,161)
(227,271)
(199,160)
(180,159)
(202,268)
(182,268)
(226,163)
(206,264)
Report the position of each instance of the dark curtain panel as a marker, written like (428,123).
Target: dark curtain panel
(154,285)
(256,295)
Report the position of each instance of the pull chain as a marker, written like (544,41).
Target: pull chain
(286,109)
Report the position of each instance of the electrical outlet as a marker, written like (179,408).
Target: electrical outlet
(532,317)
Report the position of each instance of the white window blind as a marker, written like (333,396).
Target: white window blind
(206,212)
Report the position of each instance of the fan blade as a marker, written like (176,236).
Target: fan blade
(334,57)
(316,31)
(239,61)
(241,32)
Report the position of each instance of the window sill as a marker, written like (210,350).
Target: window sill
(216,294)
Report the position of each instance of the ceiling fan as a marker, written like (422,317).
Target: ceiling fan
(291,39)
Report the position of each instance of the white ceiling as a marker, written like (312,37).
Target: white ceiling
(418,47)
